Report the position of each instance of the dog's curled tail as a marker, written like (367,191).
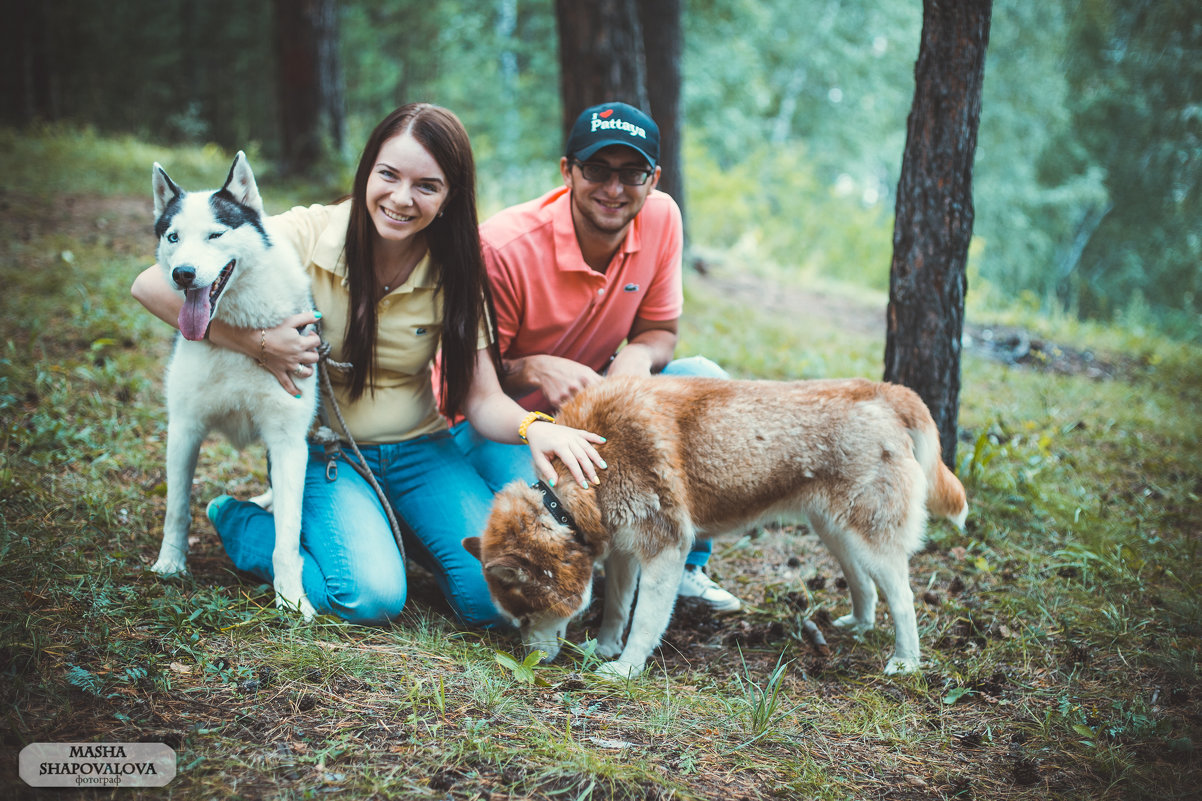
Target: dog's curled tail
(945,493)
(946,497)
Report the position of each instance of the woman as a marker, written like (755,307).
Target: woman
(397,274)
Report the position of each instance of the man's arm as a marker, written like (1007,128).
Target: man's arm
(557,377)
(649,347)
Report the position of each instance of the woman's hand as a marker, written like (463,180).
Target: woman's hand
(289,351)
(572,446)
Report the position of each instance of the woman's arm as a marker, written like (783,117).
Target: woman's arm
(495,415)
(282,350)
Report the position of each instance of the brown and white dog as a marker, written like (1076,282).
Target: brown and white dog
(692,457)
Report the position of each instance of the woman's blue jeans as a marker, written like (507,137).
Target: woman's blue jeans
(352,566)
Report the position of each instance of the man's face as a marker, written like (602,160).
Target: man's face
(607,207)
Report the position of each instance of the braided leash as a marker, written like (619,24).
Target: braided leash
(326,437)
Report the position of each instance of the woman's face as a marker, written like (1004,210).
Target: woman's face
(406,189)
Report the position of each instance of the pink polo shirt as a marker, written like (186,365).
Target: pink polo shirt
(548,301)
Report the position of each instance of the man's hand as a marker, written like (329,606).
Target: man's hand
(649,347)
(557,377)
(634,359)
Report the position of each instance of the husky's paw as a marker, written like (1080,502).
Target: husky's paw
(290,595)
(899,666)
(168,566)
(852,625)
(619,670)
(301,605)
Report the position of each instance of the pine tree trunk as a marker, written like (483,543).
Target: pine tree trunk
(663,43)
(600,55)
(310,94)
(934,217)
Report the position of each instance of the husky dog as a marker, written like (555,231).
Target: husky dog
(691,457)
(214,248)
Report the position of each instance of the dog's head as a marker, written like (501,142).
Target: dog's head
(539,575)
(202,237)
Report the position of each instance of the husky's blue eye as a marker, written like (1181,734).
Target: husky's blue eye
(173,237)
(216,234)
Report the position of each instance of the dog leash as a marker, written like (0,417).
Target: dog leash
(326,437)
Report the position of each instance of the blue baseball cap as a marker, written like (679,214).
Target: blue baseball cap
(608,124)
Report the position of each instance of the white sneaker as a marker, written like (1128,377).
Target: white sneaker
(695,584)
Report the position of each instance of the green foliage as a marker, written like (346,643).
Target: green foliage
(523,670)
(762,703)
(831,233)
(1086,180)
(164,71)
(1136,78)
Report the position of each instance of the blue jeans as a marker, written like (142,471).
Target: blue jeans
(498,463)
(352,566)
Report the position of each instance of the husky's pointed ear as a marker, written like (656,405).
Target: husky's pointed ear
(472,544)
(507,570)
(241,183)
(163,189)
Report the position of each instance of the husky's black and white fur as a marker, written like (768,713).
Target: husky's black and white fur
(215,248)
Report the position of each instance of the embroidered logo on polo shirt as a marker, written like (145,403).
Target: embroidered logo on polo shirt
(631,288)
(420,331)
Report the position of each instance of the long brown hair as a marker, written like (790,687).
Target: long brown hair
(454,242)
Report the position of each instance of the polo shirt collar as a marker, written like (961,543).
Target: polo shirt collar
(565,231)
(330,252)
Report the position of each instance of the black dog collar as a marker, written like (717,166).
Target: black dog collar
(555,507)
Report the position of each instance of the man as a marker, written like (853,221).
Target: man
(577,272)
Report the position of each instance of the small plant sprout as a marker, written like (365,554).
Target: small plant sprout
(523,671)
(762,703)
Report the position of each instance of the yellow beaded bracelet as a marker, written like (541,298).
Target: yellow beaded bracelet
(530,418)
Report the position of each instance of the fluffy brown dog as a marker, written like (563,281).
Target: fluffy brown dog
(693,457)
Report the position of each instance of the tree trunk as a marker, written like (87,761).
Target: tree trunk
(309,82)
(663,44)
(600,55)
(27,63)
(934,217)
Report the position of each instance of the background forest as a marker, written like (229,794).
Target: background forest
(1088,170)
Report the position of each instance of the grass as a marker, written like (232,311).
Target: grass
(1062,632)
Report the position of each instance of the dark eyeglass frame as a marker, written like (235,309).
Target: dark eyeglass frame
(601,173)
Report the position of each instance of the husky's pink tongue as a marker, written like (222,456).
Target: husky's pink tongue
(194,316)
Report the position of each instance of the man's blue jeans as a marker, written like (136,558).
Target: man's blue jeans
(498,464)
(352,566)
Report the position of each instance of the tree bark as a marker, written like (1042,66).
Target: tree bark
(600,55)
(309,82)
(663,44)
(934,213)
(27,61)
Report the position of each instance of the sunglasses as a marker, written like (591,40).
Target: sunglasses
(596,173)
